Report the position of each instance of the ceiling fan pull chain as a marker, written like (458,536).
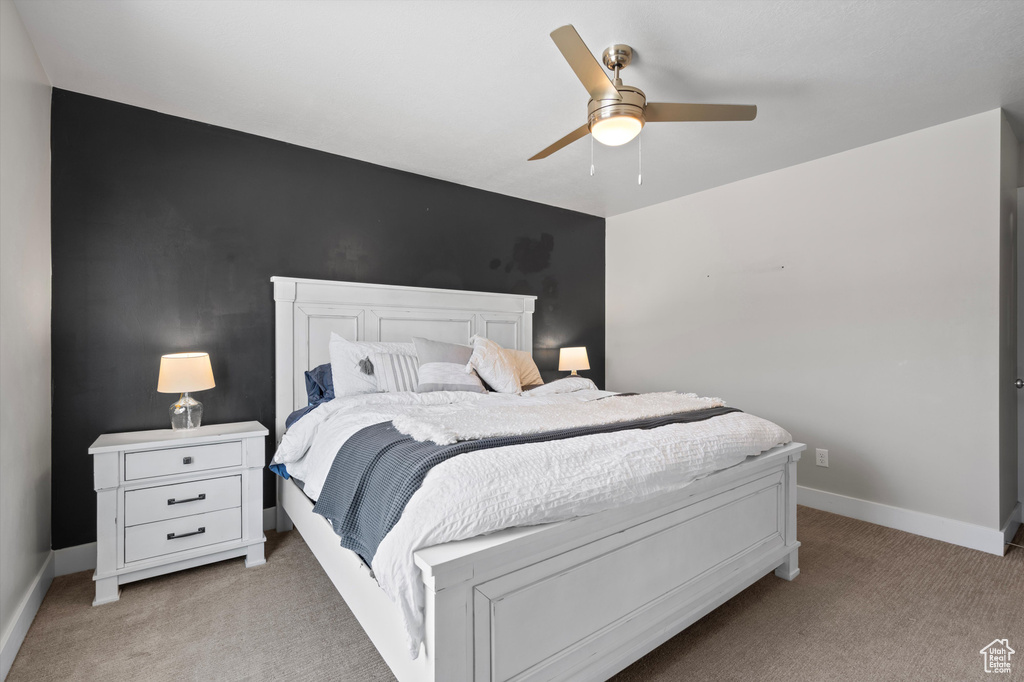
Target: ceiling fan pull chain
(640,156)
(591,156)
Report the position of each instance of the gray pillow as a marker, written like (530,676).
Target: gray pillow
(443,367)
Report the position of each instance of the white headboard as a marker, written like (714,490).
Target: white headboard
(308,310)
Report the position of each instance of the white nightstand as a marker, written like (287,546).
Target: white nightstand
(168,500)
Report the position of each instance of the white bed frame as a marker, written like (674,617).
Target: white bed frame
(580,599)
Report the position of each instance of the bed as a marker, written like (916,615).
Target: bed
(575,599)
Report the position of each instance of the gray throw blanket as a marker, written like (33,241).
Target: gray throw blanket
(378,469)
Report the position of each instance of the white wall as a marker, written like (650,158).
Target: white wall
(1008,320)
(24,329)
(1020,323)
(854,299)
(1020,165)
(1020,344)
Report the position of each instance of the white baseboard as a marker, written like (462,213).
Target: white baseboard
(270,518)
(954,532)
(25,614)
(83,557)
(75,559)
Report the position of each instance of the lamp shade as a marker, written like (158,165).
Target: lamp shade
(573,358)
(616,130)
(185,372)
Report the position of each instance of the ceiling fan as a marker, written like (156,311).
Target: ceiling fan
(616,113)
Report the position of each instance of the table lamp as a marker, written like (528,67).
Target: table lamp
(183,373)
(573,359)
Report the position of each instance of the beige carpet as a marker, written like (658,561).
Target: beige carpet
(870,604)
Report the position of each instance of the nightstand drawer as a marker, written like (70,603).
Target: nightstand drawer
(183,499)
(166,537)
(150,463)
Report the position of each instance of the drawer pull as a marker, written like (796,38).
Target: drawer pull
(201,496)
(174,536)
(186,460)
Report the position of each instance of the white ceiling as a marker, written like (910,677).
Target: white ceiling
(467,91)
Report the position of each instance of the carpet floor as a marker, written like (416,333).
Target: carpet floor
(870,603)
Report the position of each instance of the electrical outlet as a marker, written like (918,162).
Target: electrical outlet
(821,457)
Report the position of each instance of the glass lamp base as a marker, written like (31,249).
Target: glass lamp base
(187,413)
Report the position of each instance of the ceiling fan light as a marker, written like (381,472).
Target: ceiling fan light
(616,130)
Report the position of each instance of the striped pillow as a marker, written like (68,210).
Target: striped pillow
(349,374)
(394,372)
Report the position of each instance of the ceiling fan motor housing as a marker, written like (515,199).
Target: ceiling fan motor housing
(632,104)
(617,56)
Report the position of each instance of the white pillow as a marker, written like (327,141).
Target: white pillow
(529,375)
(495,365)
(566,385)
(350,363)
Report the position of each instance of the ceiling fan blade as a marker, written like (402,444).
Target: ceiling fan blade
(564,142)
(664,111)
(587,69)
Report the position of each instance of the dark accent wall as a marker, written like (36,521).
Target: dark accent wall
(166,233)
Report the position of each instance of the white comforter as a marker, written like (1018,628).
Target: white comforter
(485,491)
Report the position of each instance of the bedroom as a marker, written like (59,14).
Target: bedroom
(843,266)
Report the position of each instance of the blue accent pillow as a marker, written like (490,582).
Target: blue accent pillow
(320,384)
(319,389)
(298,414)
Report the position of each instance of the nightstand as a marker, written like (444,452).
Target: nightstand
(169,500)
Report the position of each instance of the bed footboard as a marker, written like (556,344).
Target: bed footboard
(580,599)
(599,592)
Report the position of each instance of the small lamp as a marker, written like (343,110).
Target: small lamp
(573,359)
(183,373)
